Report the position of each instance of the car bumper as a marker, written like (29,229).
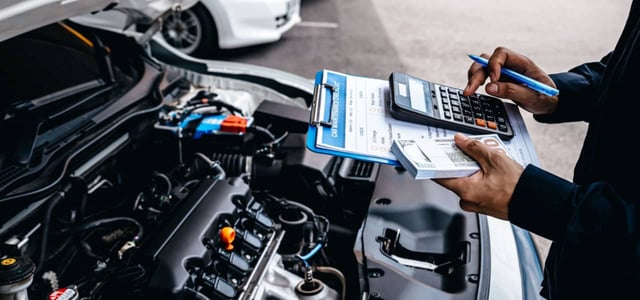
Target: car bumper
(244,23)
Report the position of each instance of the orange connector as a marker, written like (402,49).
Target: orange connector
(235,124)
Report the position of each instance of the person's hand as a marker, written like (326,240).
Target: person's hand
(489,190)
(503,87)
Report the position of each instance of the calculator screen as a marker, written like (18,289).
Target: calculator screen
(413,93)
(420,96)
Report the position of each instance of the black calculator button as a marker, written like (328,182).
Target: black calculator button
(502,127)
(447,115)
(465,106)
(478,115)
(468,119)
(455,101)
(457,117)
(501,120)
(467,112)
(456,109)
(445,106)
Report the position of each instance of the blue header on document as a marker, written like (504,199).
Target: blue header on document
(336,96)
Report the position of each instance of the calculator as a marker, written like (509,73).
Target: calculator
(420,101)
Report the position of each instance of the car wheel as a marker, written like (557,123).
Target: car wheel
(191,31)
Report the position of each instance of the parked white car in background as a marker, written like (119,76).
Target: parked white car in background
(201,30)
(211,25)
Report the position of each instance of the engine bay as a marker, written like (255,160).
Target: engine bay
(181,187)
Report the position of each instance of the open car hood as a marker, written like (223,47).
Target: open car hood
(19,16)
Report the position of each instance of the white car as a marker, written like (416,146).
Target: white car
(227,24)
(202,29)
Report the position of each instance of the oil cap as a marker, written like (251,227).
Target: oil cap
(227,236)
(16,275)
(15,269)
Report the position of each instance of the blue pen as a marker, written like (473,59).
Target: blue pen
(530,83)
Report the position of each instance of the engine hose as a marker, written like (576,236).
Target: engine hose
(44,236)
(214,165)
(335,272)
(233,164)
(109,221)
(53,200)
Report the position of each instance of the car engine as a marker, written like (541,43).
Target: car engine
(142,179)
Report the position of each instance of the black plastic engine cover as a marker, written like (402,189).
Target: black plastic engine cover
(166,253)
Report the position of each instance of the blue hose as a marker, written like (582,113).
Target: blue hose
(311,253)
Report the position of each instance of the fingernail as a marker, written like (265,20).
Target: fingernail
(460,137)
(492,88)
(465,91)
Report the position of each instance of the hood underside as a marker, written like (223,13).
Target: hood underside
(19,16)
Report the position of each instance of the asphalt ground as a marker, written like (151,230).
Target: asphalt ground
(431,39)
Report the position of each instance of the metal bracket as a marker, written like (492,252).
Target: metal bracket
(435,262)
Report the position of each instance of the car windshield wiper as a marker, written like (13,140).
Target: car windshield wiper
(55,98)
(45,121)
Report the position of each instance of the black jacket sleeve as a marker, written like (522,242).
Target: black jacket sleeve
(589,216)
(578,93)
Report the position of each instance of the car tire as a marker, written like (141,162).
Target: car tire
(192,31)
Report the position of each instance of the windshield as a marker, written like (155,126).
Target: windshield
(45,61)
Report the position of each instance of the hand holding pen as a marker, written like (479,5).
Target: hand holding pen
(534,92)
(528,82)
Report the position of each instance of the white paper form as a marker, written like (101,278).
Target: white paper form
(362,127)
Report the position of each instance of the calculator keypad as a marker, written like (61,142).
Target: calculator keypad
(476,110)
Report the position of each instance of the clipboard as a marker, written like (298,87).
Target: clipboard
(328,115)
(325,91)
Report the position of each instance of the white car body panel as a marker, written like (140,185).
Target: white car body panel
(244,23)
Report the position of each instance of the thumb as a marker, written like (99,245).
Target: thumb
(508,90)
(472,147)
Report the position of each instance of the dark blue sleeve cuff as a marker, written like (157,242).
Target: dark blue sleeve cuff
(541,203)
(572,104)
(578,93)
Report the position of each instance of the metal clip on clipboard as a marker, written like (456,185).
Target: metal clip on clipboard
(316,114)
